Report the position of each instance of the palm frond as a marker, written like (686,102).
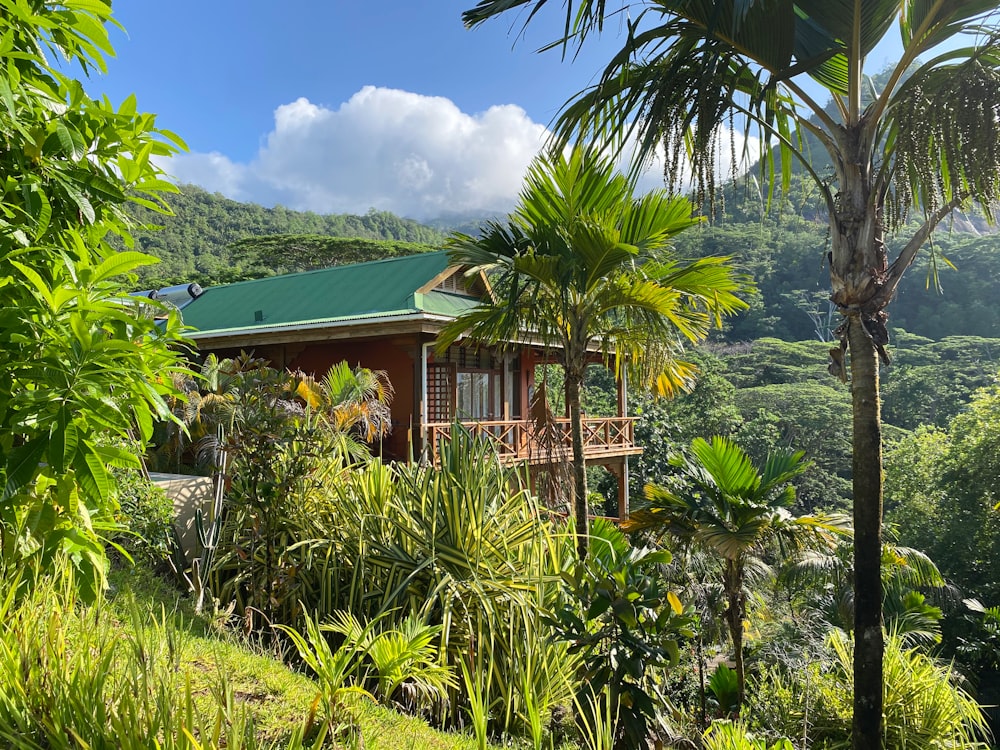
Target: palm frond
(943,131)
(929,24)
(728,466)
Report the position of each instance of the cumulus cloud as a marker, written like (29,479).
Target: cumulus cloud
(212,171)
(414,155)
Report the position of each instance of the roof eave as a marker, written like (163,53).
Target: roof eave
(318,330)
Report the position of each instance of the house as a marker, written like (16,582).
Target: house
(385,315)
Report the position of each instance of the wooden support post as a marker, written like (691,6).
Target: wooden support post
(620,469)
(623,490)
(416,436)
(622,387)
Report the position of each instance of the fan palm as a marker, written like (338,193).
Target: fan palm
(736,511)
(582,265)
(928,136)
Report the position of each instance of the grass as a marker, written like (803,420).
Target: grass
(275,698)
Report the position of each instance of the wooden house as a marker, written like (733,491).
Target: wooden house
(385,315)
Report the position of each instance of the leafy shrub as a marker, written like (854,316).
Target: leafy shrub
(272,431)
(625,625)
(333,668)
(147,515)
(80,362)
(923,705)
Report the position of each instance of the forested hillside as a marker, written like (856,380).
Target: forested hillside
(786,256)
(770,394)
(212,239)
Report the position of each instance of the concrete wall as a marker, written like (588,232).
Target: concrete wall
(188,494)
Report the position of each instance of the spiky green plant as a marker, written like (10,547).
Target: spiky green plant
(337,695)
(403,659)
(732,735)
(926,708)
(463,547)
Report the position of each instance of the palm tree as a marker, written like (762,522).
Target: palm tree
(926,138)
(736,511)
(582,265)
(353,403)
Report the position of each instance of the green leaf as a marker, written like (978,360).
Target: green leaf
(112,455)
(93,478)
(120,263)
(63,440)
(20,467)
(70,140)
(36,281)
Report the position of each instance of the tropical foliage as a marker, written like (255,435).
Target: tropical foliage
(926,137)
(941,489)
(925,705)
(83,368)
(449,591)
(626,624)
(265,433)
(584,266)
(735,510)
(823,578)
(462,547)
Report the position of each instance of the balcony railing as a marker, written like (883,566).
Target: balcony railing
(520,440)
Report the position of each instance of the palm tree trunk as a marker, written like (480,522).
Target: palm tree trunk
(734,619)
(858,271)
(574,384)
(867,478)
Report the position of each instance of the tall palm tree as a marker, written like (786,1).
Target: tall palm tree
(928,138)
(737,511)
(583,265)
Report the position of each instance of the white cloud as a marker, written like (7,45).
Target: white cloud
(393,150)
(212,171)
(414,155)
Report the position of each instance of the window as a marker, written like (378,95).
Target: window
(478,394)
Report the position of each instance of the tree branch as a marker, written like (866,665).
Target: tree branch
(909,253)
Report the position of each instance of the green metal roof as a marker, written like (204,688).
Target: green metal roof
(337,295)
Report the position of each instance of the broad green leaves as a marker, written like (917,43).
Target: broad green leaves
(81,365)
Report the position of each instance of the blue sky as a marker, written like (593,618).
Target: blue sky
(341,106)
(216,70)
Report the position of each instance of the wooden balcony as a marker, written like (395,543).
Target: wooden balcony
(519,440)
